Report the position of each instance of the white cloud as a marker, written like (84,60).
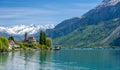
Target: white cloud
(23,12)
(68,6)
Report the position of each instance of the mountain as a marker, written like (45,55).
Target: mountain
(19,30)
(63,28)
(91,28)
(109,2)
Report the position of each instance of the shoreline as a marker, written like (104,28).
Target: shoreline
(28,49)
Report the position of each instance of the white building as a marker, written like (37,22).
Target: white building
(13,44)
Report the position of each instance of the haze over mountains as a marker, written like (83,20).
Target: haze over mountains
(91,28)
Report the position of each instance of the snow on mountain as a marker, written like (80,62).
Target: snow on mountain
(21,29)
(109,2)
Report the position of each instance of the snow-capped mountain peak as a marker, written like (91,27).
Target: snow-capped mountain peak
(21,29)
(109,2)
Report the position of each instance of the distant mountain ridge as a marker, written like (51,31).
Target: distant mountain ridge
(21,29)
(89,27)
(18,31)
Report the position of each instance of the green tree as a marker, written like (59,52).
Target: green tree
(42,38)
(4,46)
(1,45)
(11,38)
(49,42)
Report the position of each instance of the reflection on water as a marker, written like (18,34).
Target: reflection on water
(3,60)
(45,59)
(61,60)
(25,60)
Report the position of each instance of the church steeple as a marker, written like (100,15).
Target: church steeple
(26,36)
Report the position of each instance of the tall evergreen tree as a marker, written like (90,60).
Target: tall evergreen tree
(44,34)
(42,38)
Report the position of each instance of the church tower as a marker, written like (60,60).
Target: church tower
(26,36)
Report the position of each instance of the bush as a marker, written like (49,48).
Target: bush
(22,46)
(49,42)
(31,45)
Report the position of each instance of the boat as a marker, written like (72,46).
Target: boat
(57,48)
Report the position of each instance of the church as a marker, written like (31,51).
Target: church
(29,38)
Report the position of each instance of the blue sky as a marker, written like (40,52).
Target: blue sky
(41,12)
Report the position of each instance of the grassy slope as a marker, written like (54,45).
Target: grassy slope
(89,36)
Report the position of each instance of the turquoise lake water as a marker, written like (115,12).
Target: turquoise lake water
(61,60)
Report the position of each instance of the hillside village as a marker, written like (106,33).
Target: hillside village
(13,43)
(28,43)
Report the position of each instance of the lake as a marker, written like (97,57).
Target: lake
(68,59)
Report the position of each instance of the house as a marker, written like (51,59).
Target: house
(13,44)
(29,38)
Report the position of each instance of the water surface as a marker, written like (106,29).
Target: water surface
(61,60)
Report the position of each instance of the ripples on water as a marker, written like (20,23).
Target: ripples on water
(61,60)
